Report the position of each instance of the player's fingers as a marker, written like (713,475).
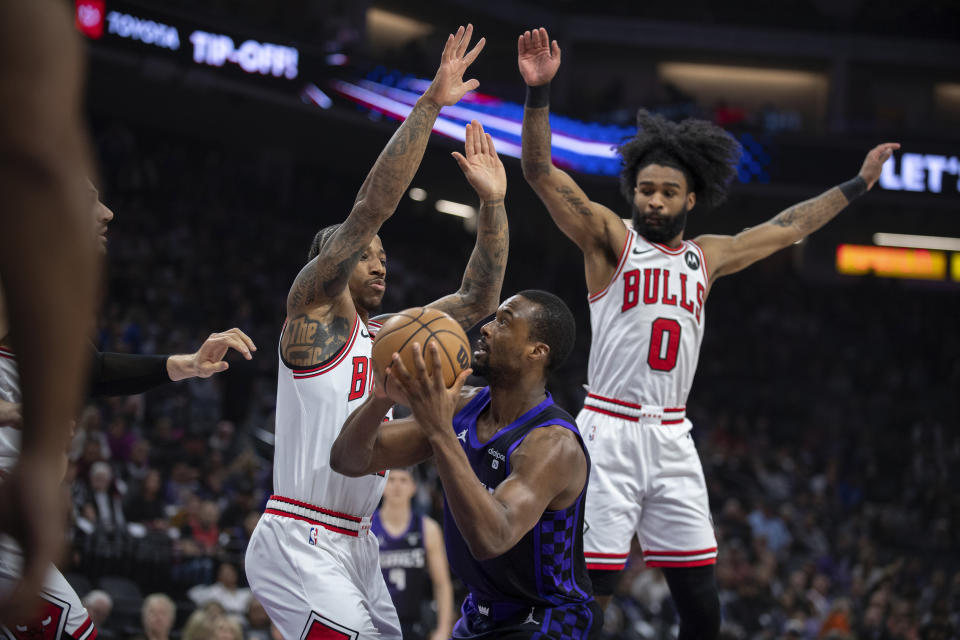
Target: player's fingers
(398,371)
(470,57)
(460,160)
(463,37)
(418,362)
(471,85)
(555,50)
(234,342)
(447,48)
(460,381)
(468,139)
(246,339)
(437,366)
(476,144)
(520,47)
(492,149)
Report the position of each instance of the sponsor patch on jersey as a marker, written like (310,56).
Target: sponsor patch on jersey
(692,260)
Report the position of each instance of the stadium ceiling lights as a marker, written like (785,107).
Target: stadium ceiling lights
(916,242)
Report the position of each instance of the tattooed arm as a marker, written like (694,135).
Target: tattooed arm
(597,230)
(326,276)
(729,254)
(479,291)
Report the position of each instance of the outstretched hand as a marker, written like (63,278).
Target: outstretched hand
(209,358)
(481,166)
(432,403)
(448,86)
(537,57)
(873,163)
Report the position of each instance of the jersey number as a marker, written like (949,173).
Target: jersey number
(398,577)
(664,344)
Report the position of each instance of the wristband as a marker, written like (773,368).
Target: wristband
(538,96)
(853,188)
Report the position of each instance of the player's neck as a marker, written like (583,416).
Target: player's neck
(509,402)
(395,516)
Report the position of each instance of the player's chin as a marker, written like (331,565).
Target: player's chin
(372,300)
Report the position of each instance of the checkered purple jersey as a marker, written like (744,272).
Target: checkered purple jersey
(542,582)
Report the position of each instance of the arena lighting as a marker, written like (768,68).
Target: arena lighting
(888,262)
(456,209)
(916,242)
(587,147)
(417,194)
(312,93)
(400,111)
(955,267)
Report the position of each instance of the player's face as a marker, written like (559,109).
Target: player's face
(504,342)
(102,215)
(661,199)
(369,279)
(400,487)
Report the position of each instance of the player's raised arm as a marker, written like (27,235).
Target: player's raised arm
(729,254)
(597,230)
(479,292)
(326,276)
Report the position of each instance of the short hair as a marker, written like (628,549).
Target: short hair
(552,324)
(97,595)
(101,467)
(162,598)
(706,154)
(321,239)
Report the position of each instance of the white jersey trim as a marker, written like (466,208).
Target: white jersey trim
(620,262)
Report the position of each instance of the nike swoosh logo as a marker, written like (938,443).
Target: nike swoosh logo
(364,333)
(641,252)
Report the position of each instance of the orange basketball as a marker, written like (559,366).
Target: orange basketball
(422,326)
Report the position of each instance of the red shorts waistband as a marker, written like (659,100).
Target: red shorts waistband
(634,412)
(328,519)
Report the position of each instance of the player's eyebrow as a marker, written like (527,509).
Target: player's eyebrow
(652,183)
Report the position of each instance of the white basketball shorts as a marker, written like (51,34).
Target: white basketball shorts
(645,479)
(61,615)
(318,580)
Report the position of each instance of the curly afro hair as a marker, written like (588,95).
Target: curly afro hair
(706,154)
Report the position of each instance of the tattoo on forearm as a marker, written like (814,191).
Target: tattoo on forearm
(381,191)
(308,341)
(574,201)
(809,215)
(483,278)
(535,148)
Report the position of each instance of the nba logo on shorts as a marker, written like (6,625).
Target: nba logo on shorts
(593,433)
(313,535)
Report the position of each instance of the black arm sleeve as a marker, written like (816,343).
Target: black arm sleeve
(125,374)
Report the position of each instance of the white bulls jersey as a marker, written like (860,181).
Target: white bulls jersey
(648,324)
(9,391)
(312,405)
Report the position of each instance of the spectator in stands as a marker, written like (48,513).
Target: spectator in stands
(102,500)
(225,591)
(98,604)
(200,534)
(145,504)
(158,615)
(258,623)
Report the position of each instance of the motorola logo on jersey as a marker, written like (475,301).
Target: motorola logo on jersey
(692,260)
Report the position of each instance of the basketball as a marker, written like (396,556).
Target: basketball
(423,326)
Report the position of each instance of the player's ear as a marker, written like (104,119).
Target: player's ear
(691,200)
(540,353)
